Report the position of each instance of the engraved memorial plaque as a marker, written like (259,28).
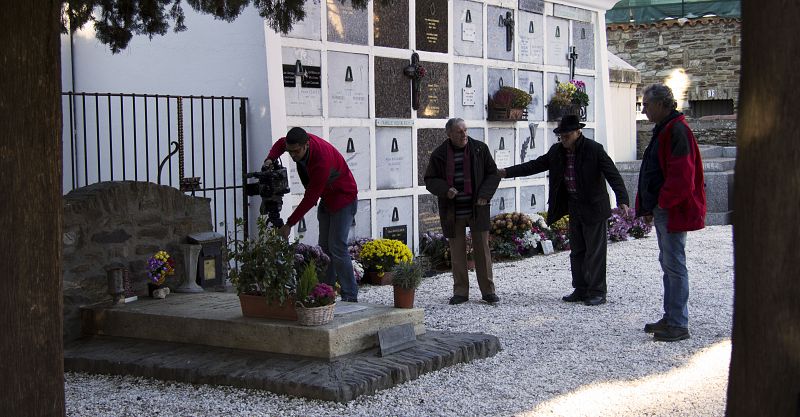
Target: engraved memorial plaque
(346,24)
(392,88)
(431,25)
(498,77)
(502,144)
(391,24)
(499,44)
(503,201)
(557,41)
(393,213)
(428,213)
(303,98)
(532,199)
(308,28)
(532,82)
(427,141)
(393,158)
(531,144)
(434,100)
(353,143)
(362,223)
(469,35)
(348,85)
(530,31)
(572,13)
(534,6)
(469,84)
(583,39)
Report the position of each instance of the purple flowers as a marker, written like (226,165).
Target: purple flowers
(322,295)
(624,223)
(303,254)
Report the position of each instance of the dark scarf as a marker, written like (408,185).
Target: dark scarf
(450,170)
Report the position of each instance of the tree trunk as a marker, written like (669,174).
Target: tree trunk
(765,362)
(31,357)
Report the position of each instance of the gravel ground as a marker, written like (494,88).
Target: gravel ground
(558,358)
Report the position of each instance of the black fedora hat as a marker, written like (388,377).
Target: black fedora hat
(568,123)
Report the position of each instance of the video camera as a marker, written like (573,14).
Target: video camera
(272,185)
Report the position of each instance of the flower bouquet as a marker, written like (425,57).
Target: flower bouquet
(569,98)
(381,255)
(159,266)
(624,223)
(316,300)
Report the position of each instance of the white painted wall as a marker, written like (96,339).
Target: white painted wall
(623,121)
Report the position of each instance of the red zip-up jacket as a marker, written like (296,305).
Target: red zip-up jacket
(329,177)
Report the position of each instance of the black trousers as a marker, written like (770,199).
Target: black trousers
(588,244)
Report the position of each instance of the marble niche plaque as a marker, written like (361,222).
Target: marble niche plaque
(533,83)
(393,216)
(431,25)
(428,206)
(532,199)
(476,133)
(393,158)
(346,24)
(589,133)
(427,141)
(497,45)
(433,96)
(535,6)
(307,229)
(583,39)
(392,88)
(348,85)
(362,223)
(498,77)
(557,41)
(353,143)
(503,201)
(531,143)
(469,95)
(302,82)
(503,147)
(309,27)
(391,24)
(530,32)
(572,13)
(295,185)
(590,91)
(468,28)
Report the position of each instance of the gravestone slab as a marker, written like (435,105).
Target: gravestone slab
(308,28)
(498,77)
(354,143)
(588,132)
(391,24)
(392,88)
(295,185)
(362,223)
(476,133)
(307,229)
(428,205)
(497,44)
(535,6)
(393,158)
(502,147)
(434,98)
(583,39)
(557,41)
(530,148)
(303,95)
(427,141)
(348,85)
(503,201)
(532,82)
(396,338)
(468,29)
(530,32)
(394,213)
(572,13)
(346,24)
(532,199)
(470,97)
(431,25)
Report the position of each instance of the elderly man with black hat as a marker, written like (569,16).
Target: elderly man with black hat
(579,168)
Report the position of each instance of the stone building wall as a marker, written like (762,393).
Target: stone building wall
(706,49)
(709,130)
(126,222)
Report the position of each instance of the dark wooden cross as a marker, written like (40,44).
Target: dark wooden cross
(573,59)
(508,22)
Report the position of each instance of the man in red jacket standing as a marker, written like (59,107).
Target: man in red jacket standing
(672,192)
(325,175)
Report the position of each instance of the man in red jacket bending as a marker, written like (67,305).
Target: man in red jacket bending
(672,192)
(324,174)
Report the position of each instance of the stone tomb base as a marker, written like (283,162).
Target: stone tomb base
(203,339)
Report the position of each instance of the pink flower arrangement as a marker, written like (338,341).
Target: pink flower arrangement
(322,295)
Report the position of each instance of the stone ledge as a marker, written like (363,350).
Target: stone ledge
(341,380)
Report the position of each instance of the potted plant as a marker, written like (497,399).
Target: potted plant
(509,103)
(316,301)
(569,98)
(381,255)
(264,274)
(406,278)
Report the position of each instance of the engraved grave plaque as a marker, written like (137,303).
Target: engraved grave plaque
(530,32)
(301,80)
(394,213)
(362,223)
(503,201)
(353,143)
(434,100)
(583,39)
(532,199)
(348,85)
(431,25)
(393,154)
(502,145)
(535,6)
(531,147)
(427,141)
(468,29)
(391,24)
(346,24)
(392,88)
(532,82)
(428,213)
(499,45)
(308,28)
(498,77)
(469,100)
(572,13)
(307,229)
(557,41)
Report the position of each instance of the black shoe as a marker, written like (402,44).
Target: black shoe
(656,327)
(574,297)
(671,334)
(595,300)
(458,299)
(491,298)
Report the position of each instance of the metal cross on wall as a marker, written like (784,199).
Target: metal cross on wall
(508,22)
(572,57)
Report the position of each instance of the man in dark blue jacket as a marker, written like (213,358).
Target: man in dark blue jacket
(579,168)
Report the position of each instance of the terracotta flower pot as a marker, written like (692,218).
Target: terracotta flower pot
(256,306)
(375,278)
(404,297)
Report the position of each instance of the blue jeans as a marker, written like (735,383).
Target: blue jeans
(672,256)
(333,230)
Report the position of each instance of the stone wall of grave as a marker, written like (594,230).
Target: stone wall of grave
(127,222)
(709,130)
(706,48)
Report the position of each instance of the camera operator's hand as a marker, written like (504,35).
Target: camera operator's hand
(284,231)
(268,164)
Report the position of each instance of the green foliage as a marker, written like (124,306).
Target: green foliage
(408,275)
(511,97)
(264,265)
(308,280)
